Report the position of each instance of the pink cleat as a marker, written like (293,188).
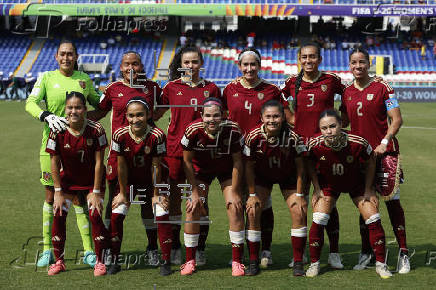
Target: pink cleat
(188,268)
(238,269)
(99,269)
(56,268)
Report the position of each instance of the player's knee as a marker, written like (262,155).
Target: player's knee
(235,208)
(321,218)
(372,219)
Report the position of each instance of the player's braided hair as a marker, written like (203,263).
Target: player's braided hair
(301,73)
(177,61)
(359,49)
(69,95)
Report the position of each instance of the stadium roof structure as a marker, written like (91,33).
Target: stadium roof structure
(185,9)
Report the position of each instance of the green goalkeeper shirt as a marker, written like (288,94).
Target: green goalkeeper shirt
(52,87)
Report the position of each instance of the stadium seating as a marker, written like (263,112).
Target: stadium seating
(145,47)
(12,50)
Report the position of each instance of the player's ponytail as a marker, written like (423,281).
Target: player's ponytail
(176,63)
(297,88)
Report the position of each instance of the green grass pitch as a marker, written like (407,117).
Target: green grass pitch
(22,197)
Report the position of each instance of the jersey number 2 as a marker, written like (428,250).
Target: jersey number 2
(359,109)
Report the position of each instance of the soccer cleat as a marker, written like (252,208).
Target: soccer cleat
(266,259)
(253,268)
(188,268)
(99,269)
(56,268)
(176,256)
(200,258)
(45,259)
(113,269)
(90,258)
(382,270)
(291,264)
(165,268)
(238,269)
(298,269)
(403,264)
(364,260)
(153,258)
(313,269)
(335,261)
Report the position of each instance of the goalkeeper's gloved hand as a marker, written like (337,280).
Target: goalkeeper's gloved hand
(56,124)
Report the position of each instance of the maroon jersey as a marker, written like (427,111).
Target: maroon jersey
(244,103)
(274,156)
(177,93)
(366,109)
(313,98)
(213,154)
(77,154)
(340,170)
(117,94)
(139,152)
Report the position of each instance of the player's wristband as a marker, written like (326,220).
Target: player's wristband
(43,115)
(299,194)
(96,190)
(252,194)
(57,189)
(384,141)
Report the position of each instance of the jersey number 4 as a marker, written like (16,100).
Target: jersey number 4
(247,106)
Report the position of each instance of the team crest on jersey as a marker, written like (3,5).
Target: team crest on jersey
(89,142)
(145,90)
(82,84)
(260,96)
(350,159)
(179,93)
(147,150)
(120,95)
(206,94)
(235,95)
(324,88)
(67,146)
(369,97)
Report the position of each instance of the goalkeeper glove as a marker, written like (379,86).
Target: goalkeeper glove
(56,124)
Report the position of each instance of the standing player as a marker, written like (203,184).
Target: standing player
(183,93)
(244,98)
(341,162)
(115,97)
(273,154)
(77,169)
(369,103)
(312,92)
(52,87)
(217,142)
(140,147)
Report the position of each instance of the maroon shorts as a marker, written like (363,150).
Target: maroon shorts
(389,175)
(359,191)
(175,167)
(208,177)
(287,183)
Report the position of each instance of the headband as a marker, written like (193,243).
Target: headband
(249,52)
(213,103)
(139,101)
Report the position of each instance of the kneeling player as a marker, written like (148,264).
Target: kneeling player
(344,163)
(212,148)
(139,147)
(77,169)
(273,153)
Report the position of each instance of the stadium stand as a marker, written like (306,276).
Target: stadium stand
(12,50)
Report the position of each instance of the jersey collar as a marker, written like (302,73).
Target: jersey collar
(362,88)
(85,122)
(200,83)
(139,139)
(314,80)
(246,85)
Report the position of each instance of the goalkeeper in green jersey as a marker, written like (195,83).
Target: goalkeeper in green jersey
(52,87)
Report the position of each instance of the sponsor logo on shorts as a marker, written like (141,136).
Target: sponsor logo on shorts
(67,146)
(147,150)
(89,142)
(46,176)
(322,158)
(127,149)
